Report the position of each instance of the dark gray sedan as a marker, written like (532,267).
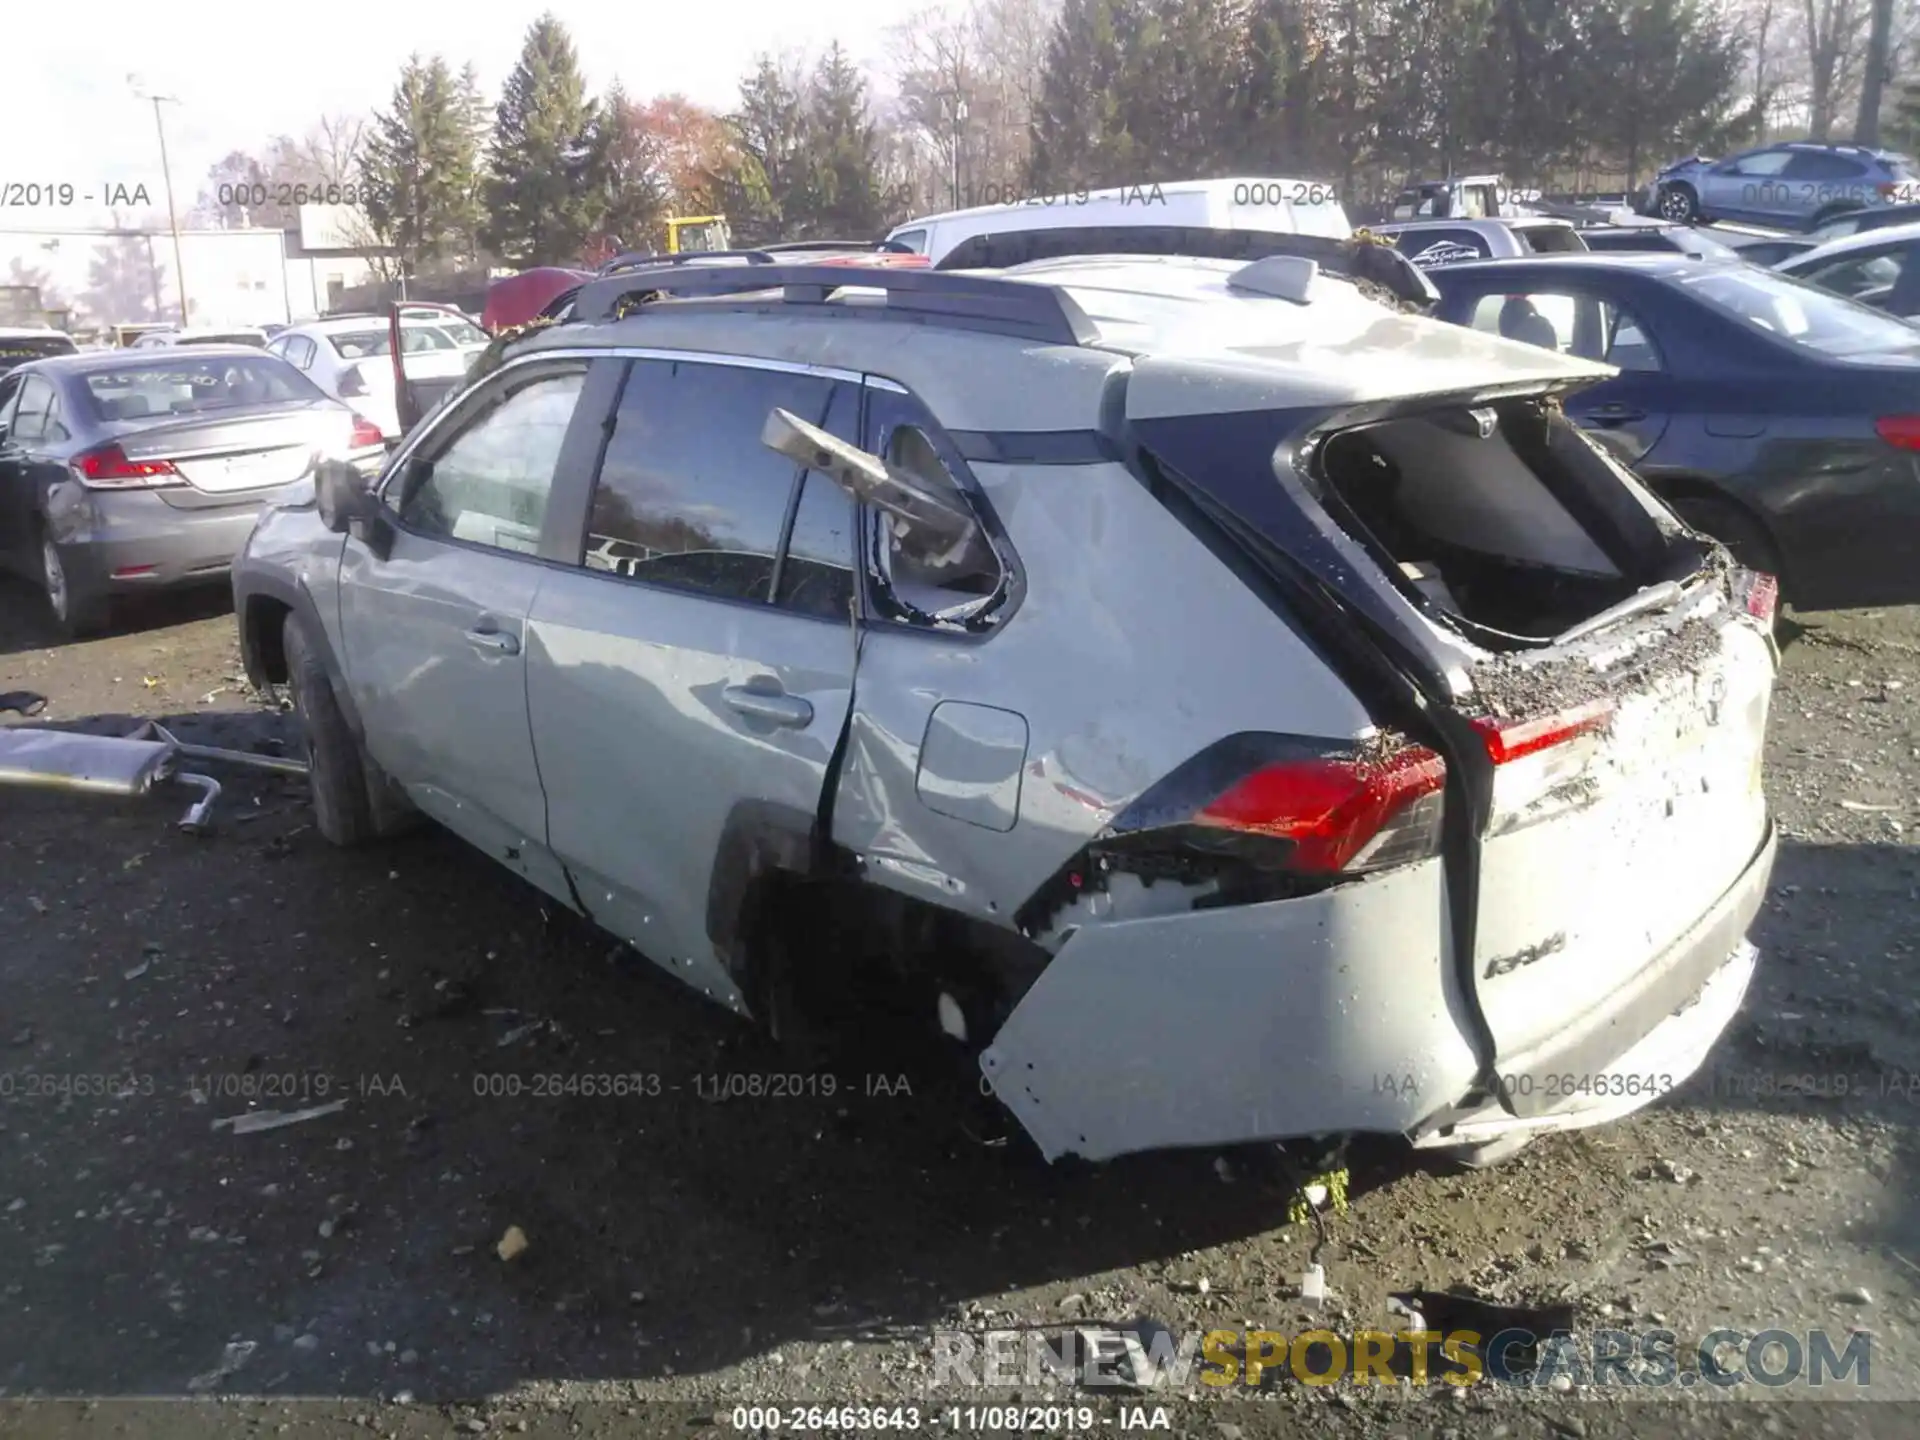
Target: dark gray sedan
(121,473)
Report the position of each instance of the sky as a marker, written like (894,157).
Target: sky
(243,75)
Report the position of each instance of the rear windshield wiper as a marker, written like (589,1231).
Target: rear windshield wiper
(1652,597)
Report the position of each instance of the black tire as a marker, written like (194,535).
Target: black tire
(74,614)
(338,778)
(1733,527)
(1678,203)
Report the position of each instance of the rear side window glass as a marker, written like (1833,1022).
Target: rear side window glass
(914,240)
(687,495)
(1813,165)
(36,399)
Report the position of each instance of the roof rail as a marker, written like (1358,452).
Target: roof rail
(965,302)
(1363,257)
(640,260)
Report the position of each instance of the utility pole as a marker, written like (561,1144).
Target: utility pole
(959,124)
(166,176)
(1879,37)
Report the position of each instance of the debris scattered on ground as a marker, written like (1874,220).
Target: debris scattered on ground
(232,1358)
(257,1120)
(512,1243)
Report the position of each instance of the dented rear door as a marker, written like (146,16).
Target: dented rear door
(1626,840)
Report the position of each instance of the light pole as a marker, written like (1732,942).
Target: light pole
(959,123)
(166,176)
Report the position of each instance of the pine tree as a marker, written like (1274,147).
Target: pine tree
(540,206)
(1079,127)
(765,175)
(626,169)
(418,168)
(841,145)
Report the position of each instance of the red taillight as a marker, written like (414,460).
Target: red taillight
(365,434)
(1508,740)
(108,468)
(1341,814)
(1900,431)
(352,382)
(1760,592)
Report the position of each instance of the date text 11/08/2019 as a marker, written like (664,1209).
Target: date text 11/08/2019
(65,194)
(956,1419)
(1244,192)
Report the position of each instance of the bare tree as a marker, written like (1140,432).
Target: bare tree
(1836,46)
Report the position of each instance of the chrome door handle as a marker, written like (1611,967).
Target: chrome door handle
(497,641)
(776,708)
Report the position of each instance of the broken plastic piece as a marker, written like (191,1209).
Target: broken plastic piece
(512,1243)
(1313,1286)
(255,1120)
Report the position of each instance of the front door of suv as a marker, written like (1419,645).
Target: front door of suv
(435,631)
(689,677)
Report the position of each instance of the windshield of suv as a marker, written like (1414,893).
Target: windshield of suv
(1802,314)
(179,385)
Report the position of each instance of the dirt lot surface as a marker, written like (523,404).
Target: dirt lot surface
(686,1255)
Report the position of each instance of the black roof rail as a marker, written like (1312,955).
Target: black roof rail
(640,260)
(964,302)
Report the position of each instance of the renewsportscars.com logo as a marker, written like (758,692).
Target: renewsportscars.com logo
(1157,1359)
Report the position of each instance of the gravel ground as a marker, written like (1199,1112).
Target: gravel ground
(686,1254)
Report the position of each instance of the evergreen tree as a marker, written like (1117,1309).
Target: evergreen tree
(1080,137)
(418,168)
(842,147)
(540,204)
(764,176)
(626,170)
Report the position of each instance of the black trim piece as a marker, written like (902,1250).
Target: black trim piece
(1006,307)
(1034,447)
(758,837)
(793,500)
(582,452)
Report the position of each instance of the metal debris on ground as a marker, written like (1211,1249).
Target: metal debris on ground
(257,1120)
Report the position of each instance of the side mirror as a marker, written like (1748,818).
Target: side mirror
(935,529)
(342,496)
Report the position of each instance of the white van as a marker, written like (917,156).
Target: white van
(1291,207)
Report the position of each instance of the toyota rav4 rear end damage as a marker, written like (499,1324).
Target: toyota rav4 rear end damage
(1522,903)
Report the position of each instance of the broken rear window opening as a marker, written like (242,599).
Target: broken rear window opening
(1501,521)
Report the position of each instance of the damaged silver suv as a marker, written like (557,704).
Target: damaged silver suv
(1235,707)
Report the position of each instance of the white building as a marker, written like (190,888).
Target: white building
(111,276)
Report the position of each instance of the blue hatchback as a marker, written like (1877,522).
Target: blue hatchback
(1797,185)
(1779,418)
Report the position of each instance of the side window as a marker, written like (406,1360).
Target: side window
(490,485)
(1815,165)
(1627,344)
(1762,164)
(1857,276)
(816,569)
(1543,318)
(9,391)
(914,240)
(299,351)
(687,496)
(961,586)
(30,420)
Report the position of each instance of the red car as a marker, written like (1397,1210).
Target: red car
(520,298)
